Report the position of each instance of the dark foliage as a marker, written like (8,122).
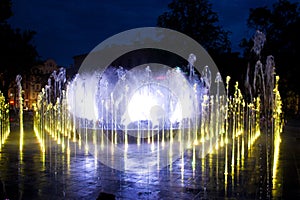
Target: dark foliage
(196,19)
(18,53)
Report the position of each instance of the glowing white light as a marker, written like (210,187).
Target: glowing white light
(150,103)
(139,107)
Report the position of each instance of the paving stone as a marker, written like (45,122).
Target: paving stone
(56,175)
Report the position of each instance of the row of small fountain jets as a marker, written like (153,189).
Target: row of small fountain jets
(221,117)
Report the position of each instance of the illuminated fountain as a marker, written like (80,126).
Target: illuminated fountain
(19,85)
(117,112)
(125,116)
(144,118)
(135,114)
(4,120)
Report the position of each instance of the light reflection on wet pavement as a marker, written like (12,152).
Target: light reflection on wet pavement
(30,174)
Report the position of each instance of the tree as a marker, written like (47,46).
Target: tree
(196,19)
(281,27)
(18,53)
(5,10)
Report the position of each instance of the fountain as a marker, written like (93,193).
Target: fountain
(143,118)
(146,117)
(19,85)
(4,120)
(130,122)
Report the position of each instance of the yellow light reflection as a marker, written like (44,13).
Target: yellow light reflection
(68,159)
(278,125)
(21,140)
(95,142)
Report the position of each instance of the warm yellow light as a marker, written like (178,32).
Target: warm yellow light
(196,142)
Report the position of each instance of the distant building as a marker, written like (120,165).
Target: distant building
(32,84)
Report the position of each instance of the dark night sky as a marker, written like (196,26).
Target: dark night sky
(71,27)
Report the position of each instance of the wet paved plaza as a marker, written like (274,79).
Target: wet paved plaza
(31,174)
